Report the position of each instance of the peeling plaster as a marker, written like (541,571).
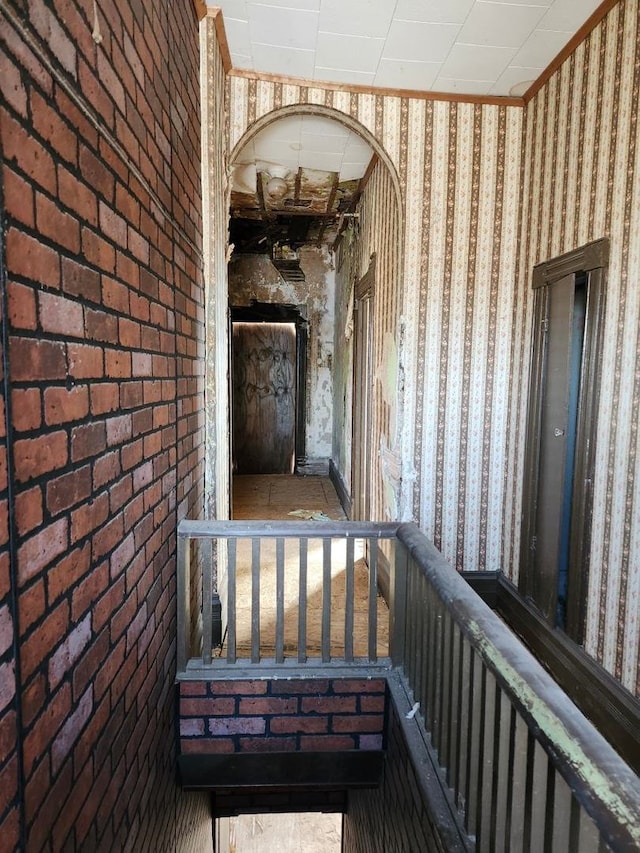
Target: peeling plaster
(254,277)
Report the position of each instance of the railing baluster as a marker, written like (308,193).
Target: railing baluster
(373,600)
(279,600)
(538,799)
(349,600)
(454,706)
(485,763)
(445,697)
(501,785)
(326,600)
(465,717)
(207,597)
(255,600)
(183,593)
(302,600)
(231,601)
(475,741)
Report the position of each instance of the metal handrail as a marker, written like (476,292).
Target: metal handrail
(525,768)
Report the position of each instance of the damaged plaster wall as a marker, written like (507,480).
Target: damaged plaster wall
(254,277)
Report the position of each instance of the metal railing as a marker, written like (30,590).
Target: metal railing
(524,767)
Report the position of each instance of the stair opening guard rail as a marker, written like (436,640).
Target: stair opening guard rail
(523,766)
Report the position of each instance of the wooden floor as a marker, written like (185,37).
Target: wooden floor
(274,496)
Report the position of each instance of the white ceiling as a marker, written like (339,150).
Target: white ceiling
(474,47)
(308,142)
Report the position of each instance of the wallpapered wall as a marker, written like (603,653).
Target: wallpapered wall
(582,182)
(487,192)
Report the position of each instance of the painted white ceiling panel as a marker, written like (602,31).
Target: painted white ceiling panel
(273,59)
(420,41)
(540,48)
(500,25)
(433,11)
(567,15)
(353,53)
(287,27)
(476,62)
(403,74)
(357,17)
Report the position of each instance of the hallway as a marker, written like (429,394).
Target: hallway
(274,496)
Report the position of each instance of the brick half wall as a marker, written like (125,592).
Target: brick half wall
(282,715)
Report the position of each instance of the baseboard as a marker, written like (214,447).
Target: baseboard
(341,488)
(312,467)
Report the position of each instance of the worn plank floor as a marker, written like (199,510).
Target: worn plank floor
(274,497)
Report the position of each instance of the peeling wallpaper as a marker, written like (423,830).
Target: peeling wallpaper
(486,192)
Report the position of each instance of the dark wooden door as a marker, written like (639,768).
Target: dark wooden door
(264,398)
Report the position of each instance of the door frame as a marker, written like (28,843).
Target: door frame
(538,583)
(362,395)
(274,312)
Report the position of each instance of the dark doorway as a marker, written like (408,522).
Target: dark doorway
(268,376)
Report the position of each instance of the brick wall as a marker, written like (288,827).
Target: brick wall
(313,715)
(104,323)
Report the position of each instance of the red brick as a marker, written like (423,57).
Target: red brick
(358,723)
(207,707)
(61,316)
(237,726)
(372,704)
(106,469)
(88,517)
(105,397)
(131,394)
(127,204)
(120,493)
(192,688)
(88,440)
(62,404)
(112,225)
(108,604)
(18,196)
(32,360)
(79,280)
(77,196)
(25,409)
(329,704)
(12,86)
(96,174)
(326,743)
(30,157)
(37,786)
(202,746)
(117,363)
(8,734)
(8,784)
(33,699)
(97,251)
(85,672)
(57,796)
(41,455)
(31,259)
(114,294)
(270,705)
(85,361)
(108,537)
(53,34)
(68,489)
(31,605)
(37,646)
(68,652)
(301,686)
(67,572)
(49,125)
(118,429)
(41,549)
(267,744)
(28,510)
(293,725)
(101,326)
(359,685)
(7,684)
(89,590)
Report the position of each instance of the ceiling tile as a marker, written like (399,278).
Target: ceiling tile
(287,27)
(352,171)
(241,61)
(349,52)
(305,5)
(500,25)
(524,2)
(419,42)
(325,126)
(233,9)
(320,160)
(283,60)
(473,62)
(461,86)
(341,75)
(433,11)
(357,17)
(567,15)
(238,34)
(320,142)
(400,74)
(512,76)
(540,48)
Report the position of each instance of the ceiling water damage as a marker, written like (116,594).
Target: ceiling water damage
(297,182)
